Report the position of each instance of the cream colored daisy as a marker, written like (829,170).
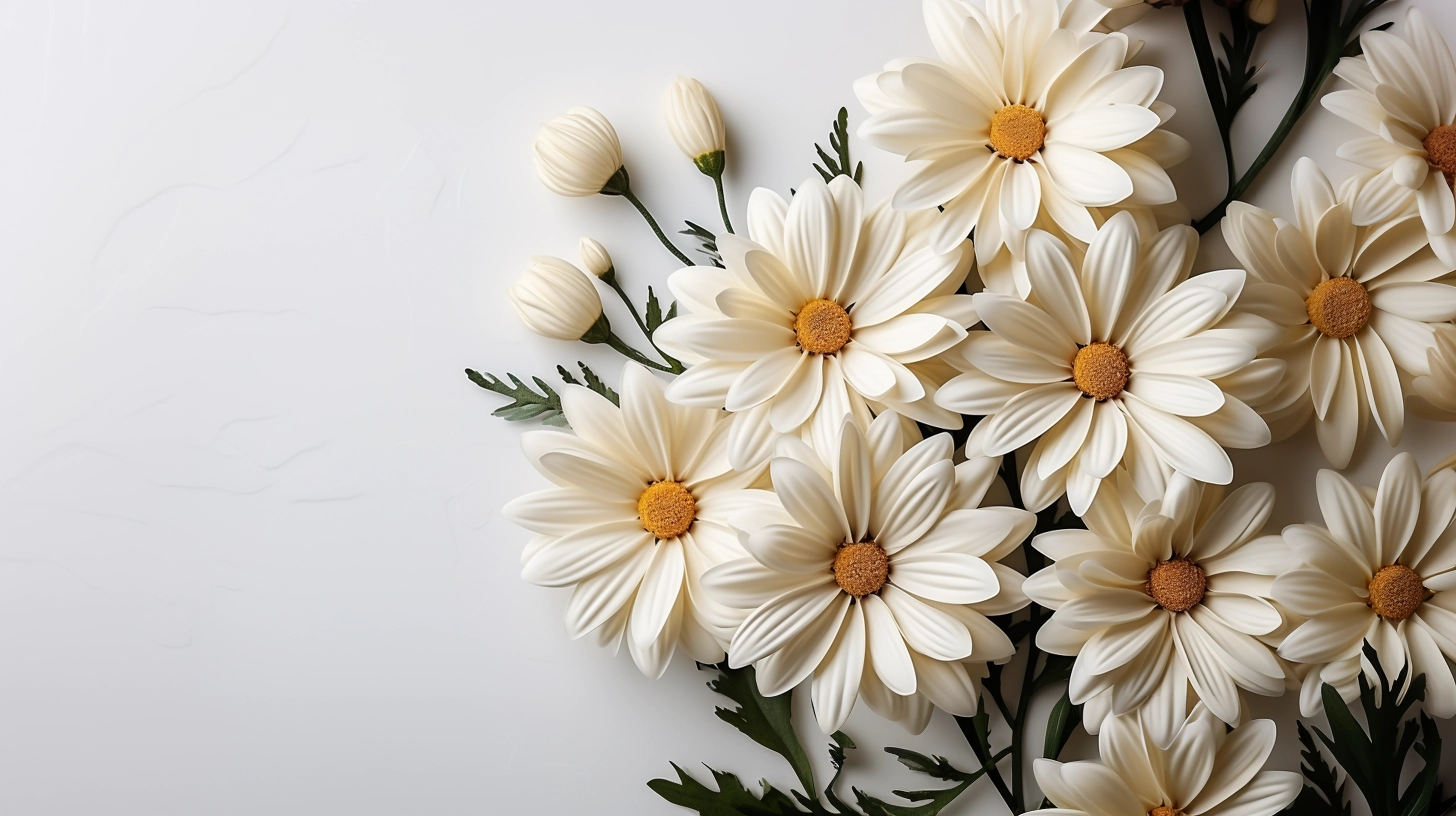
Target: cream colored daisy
(1155,598)
(1405,97)
(1023,113)
(1122,359)
(877,578)
(639,512)
(1207,770)
(1380,571)
(826,310)
(1357,304)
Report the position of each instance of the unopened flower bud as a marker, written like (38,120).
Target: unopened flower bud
(577,153)
(1262,12)
(594,257)
(555,299)
(696,124)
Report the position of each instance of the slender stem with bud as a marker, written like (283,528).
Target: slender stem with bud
(620,184)
(610,279)
(722,205)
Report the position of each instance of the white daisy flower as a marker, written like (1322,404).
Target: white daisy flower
(1405,97)
(827,311)
(1208,770)
(1123,359)
(1380,572)
(1153,598)
(877,579)
(638,514)
(1022,113)
(1357,303)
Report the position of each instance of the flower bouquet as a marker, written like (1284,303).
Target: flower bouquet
(966,447)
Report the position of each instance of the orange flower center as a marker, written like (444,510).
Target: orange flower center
(1338,307)
(822,327)
(1440,146)
(1017,132)
(1177,585)
(667,509)
(1100,370)
(862,568)
(1165,810)
(1396,592)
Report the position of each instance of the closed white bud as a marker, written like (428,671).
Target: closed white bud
(1263,11)
(577,153)
(594,257)
(555,299)
(696,123)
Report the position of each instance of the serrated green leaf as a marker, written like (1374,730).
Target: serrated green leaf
(708,243)
(525,403)
(592,381)
(838,163)
(765,720)
(731,798)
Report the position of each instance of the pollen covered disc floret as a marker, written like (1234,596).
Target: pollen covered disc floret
(1440,145)
(822,327)
(1165,810)
(1177,585)
(1100,370)
(667,509)
(861,569)
(1396,592)
(1017,132)
(1338,307)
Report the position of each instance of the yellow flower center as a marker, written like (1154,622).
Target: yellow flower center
(1100,370)
(1440,146)
(1396,592)
(1339,307)
(1165,810)
(861,568)
(1177,585)
(667,509)
(822,327)
(1017,132)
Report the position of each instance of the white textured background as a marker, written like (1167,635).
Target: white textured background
(251,555)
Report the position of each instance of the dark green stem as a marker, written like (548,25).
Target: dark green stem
(980,742)
(633,354)
(722,204)
(1325,42)
(1208,70)
(621,184)
(610,279)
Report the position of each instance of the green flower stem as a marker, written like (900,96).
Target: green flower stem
(980,743)
(620,184)
(1208,69)
(630,353)
(656,230)
(722,204)
(610,279)
(1326,39)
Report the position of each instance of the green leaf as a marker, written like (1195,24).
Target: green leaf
(525,403)
(592,381)
(1063,721)
(839,163)
(765,720)
(654,312)
(730,799)
(1323,794)
(707,240)
(1374,755)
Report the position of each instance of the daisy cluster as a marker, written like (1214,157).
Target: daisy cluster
(877,408)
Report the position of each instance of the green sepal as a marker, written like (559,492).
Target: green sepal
(712,164)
